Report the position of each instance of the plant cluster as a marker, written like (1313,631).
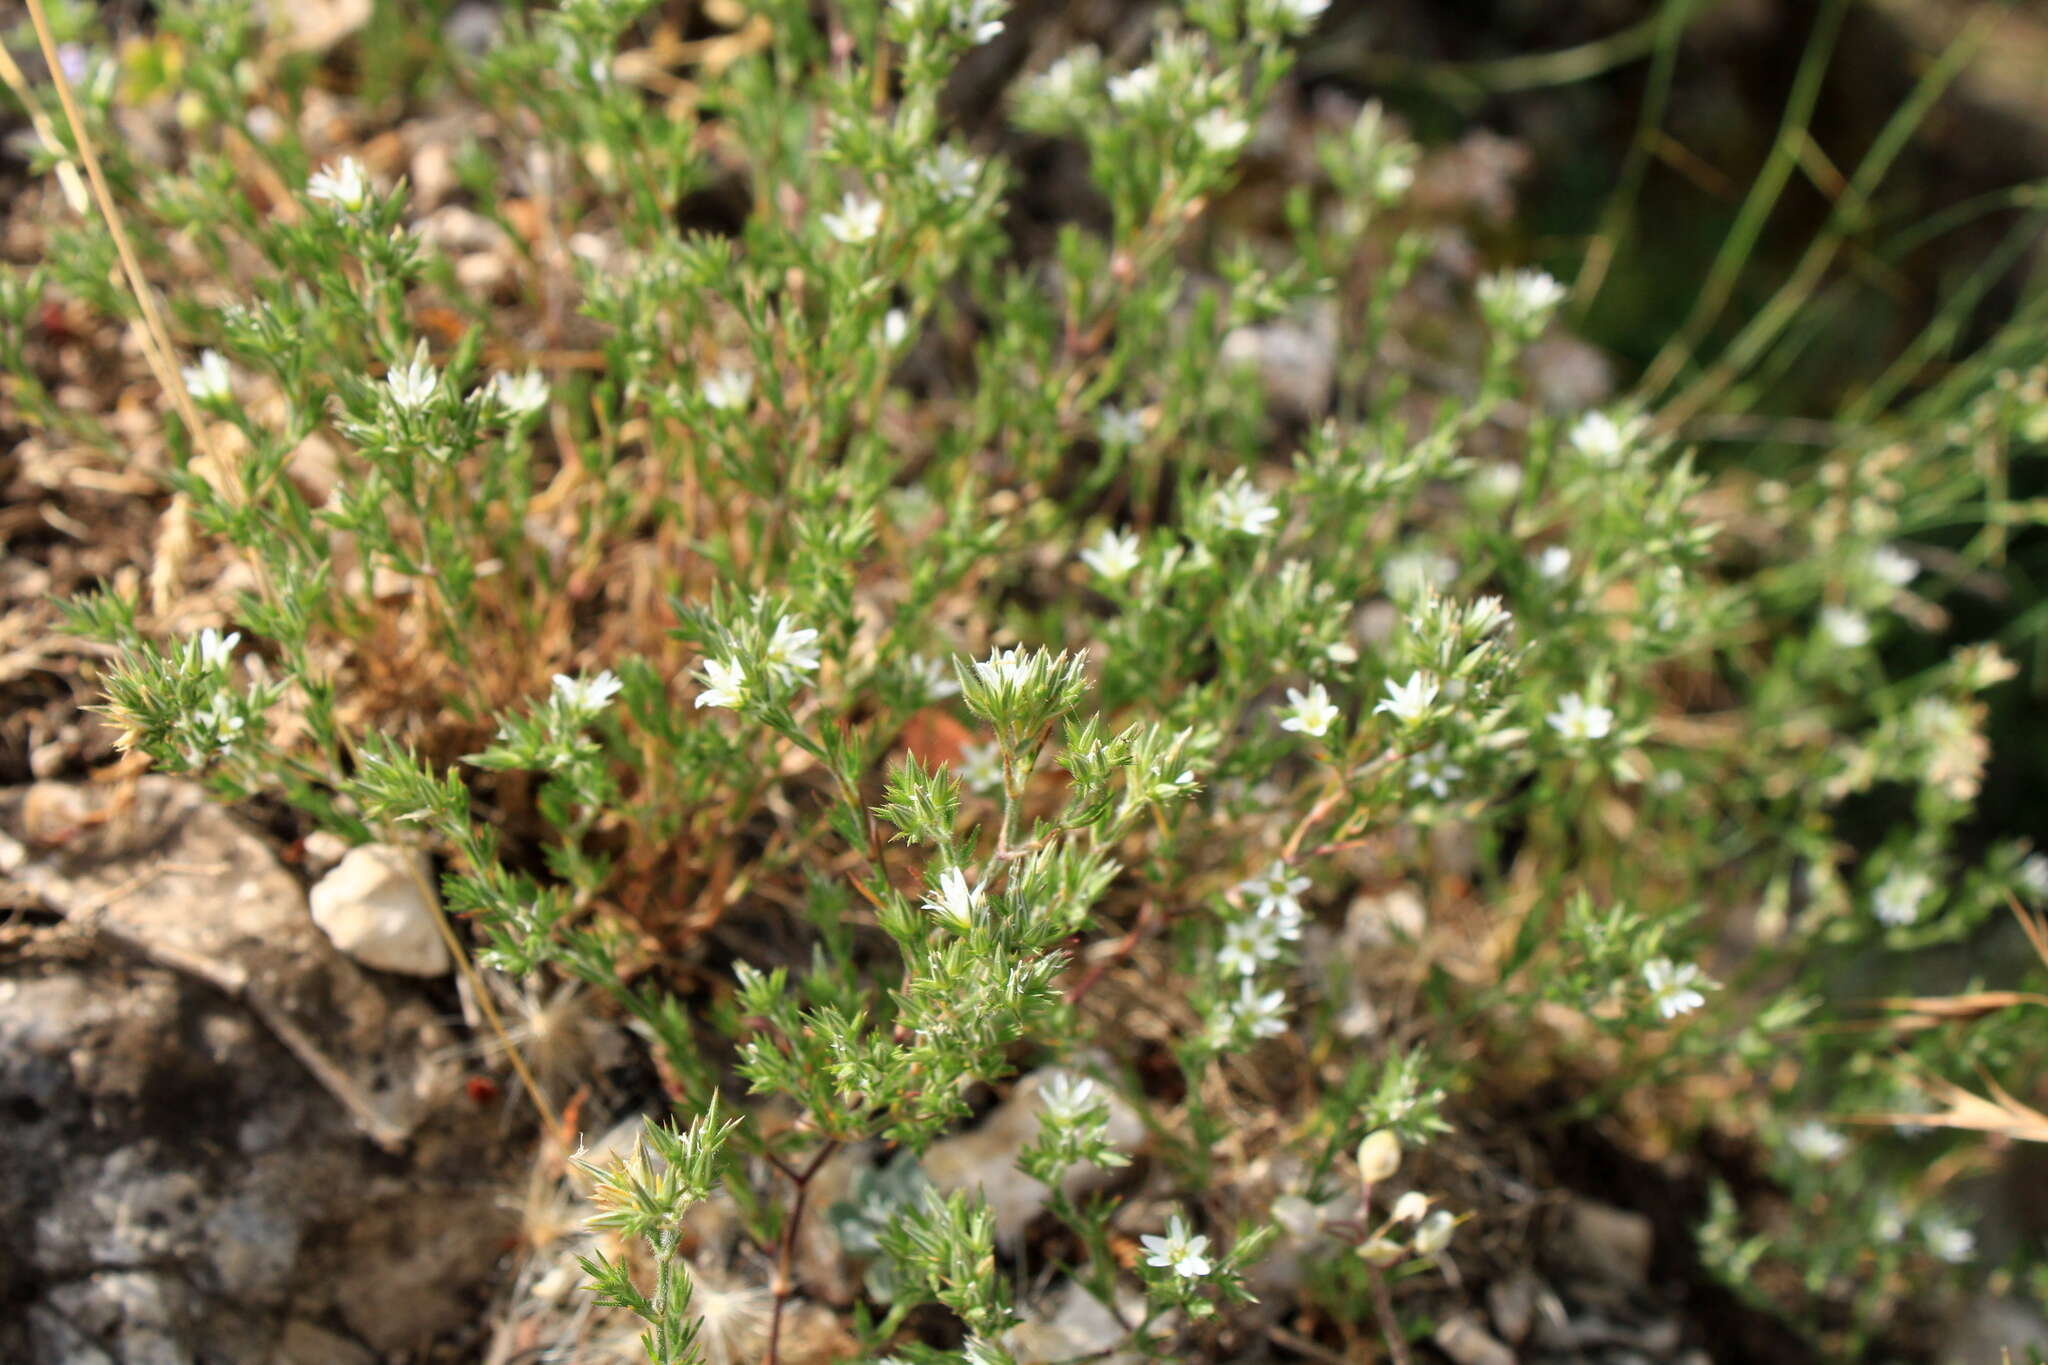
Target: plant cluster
(954,606)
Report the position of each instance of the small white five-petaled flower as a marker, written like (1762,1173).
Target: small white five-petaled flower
(1433,771)
(1311,713)
(1893,567)
(1185,1255)
(1898,899)
(954,902)
(981,766)
(1244,509)
(1067,1098)
(210,381)
(1274,893)
(1221,131)
(1262,1014)
(1114,555)
(1845,626)
(1118,427)
(343,185)
(213,650)
(519,394)
(1410,701)
(858,220)
(1948,1240)
(725,684)
(413,387)
(1247,944)
(791,651)
(1580,720)
(1675,988)
(727,388)
(1816,1141)
(1603,440)
(587,696)
(951,173)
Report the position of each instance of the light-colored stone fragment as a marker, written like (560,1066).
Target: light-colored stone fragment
(375,907)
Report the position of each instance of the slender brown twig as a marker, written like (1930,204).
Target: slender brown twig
(157,347)
(784,1287)
(1390,1326)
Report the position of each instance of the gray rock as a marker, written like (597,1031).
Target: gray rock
(198,1192)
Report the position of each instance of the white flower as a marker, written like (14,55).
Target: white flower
(727,388)
(1059,85)
(1554,563)
(1247,943)
(981,766)
(1496,483)
(1393,177)
(1675,988)
(1118,427)
(1577,719)
(933,678)
(1184,1255)
(1603,440)
(1004,669)
(1486,615)
(344,186)
(221,722)
(1274,893)
(951,173)
(791,651)
(1221,131)
(1261,1015)
(1893,567)
(1433,771)
(1847,628)
(1413,572)
(1244,509)
(955,902)
(1067,1098)
(1815,1141)
(1114,555)
(519,394)
(982,19)
(413,387)
(1520,301)
(1299,13)
(1898,899)
(1890,1221)
(214,651)
(725,684)
(1134,87)
(1409,702)
(1948,1240)
(859,220)
(587,696)
(2032,876)
(1310,714)
(895,328)
(210,381)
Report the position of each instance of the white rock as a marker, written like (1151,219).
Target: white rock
(377,910)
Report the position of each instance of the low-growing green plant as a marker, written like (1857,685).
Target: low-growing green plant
(974,610)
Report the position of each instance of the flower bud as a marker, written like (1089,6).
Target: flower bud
(1379,1156)
(1410,1207)
(1435,1233)
(1382,1252)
